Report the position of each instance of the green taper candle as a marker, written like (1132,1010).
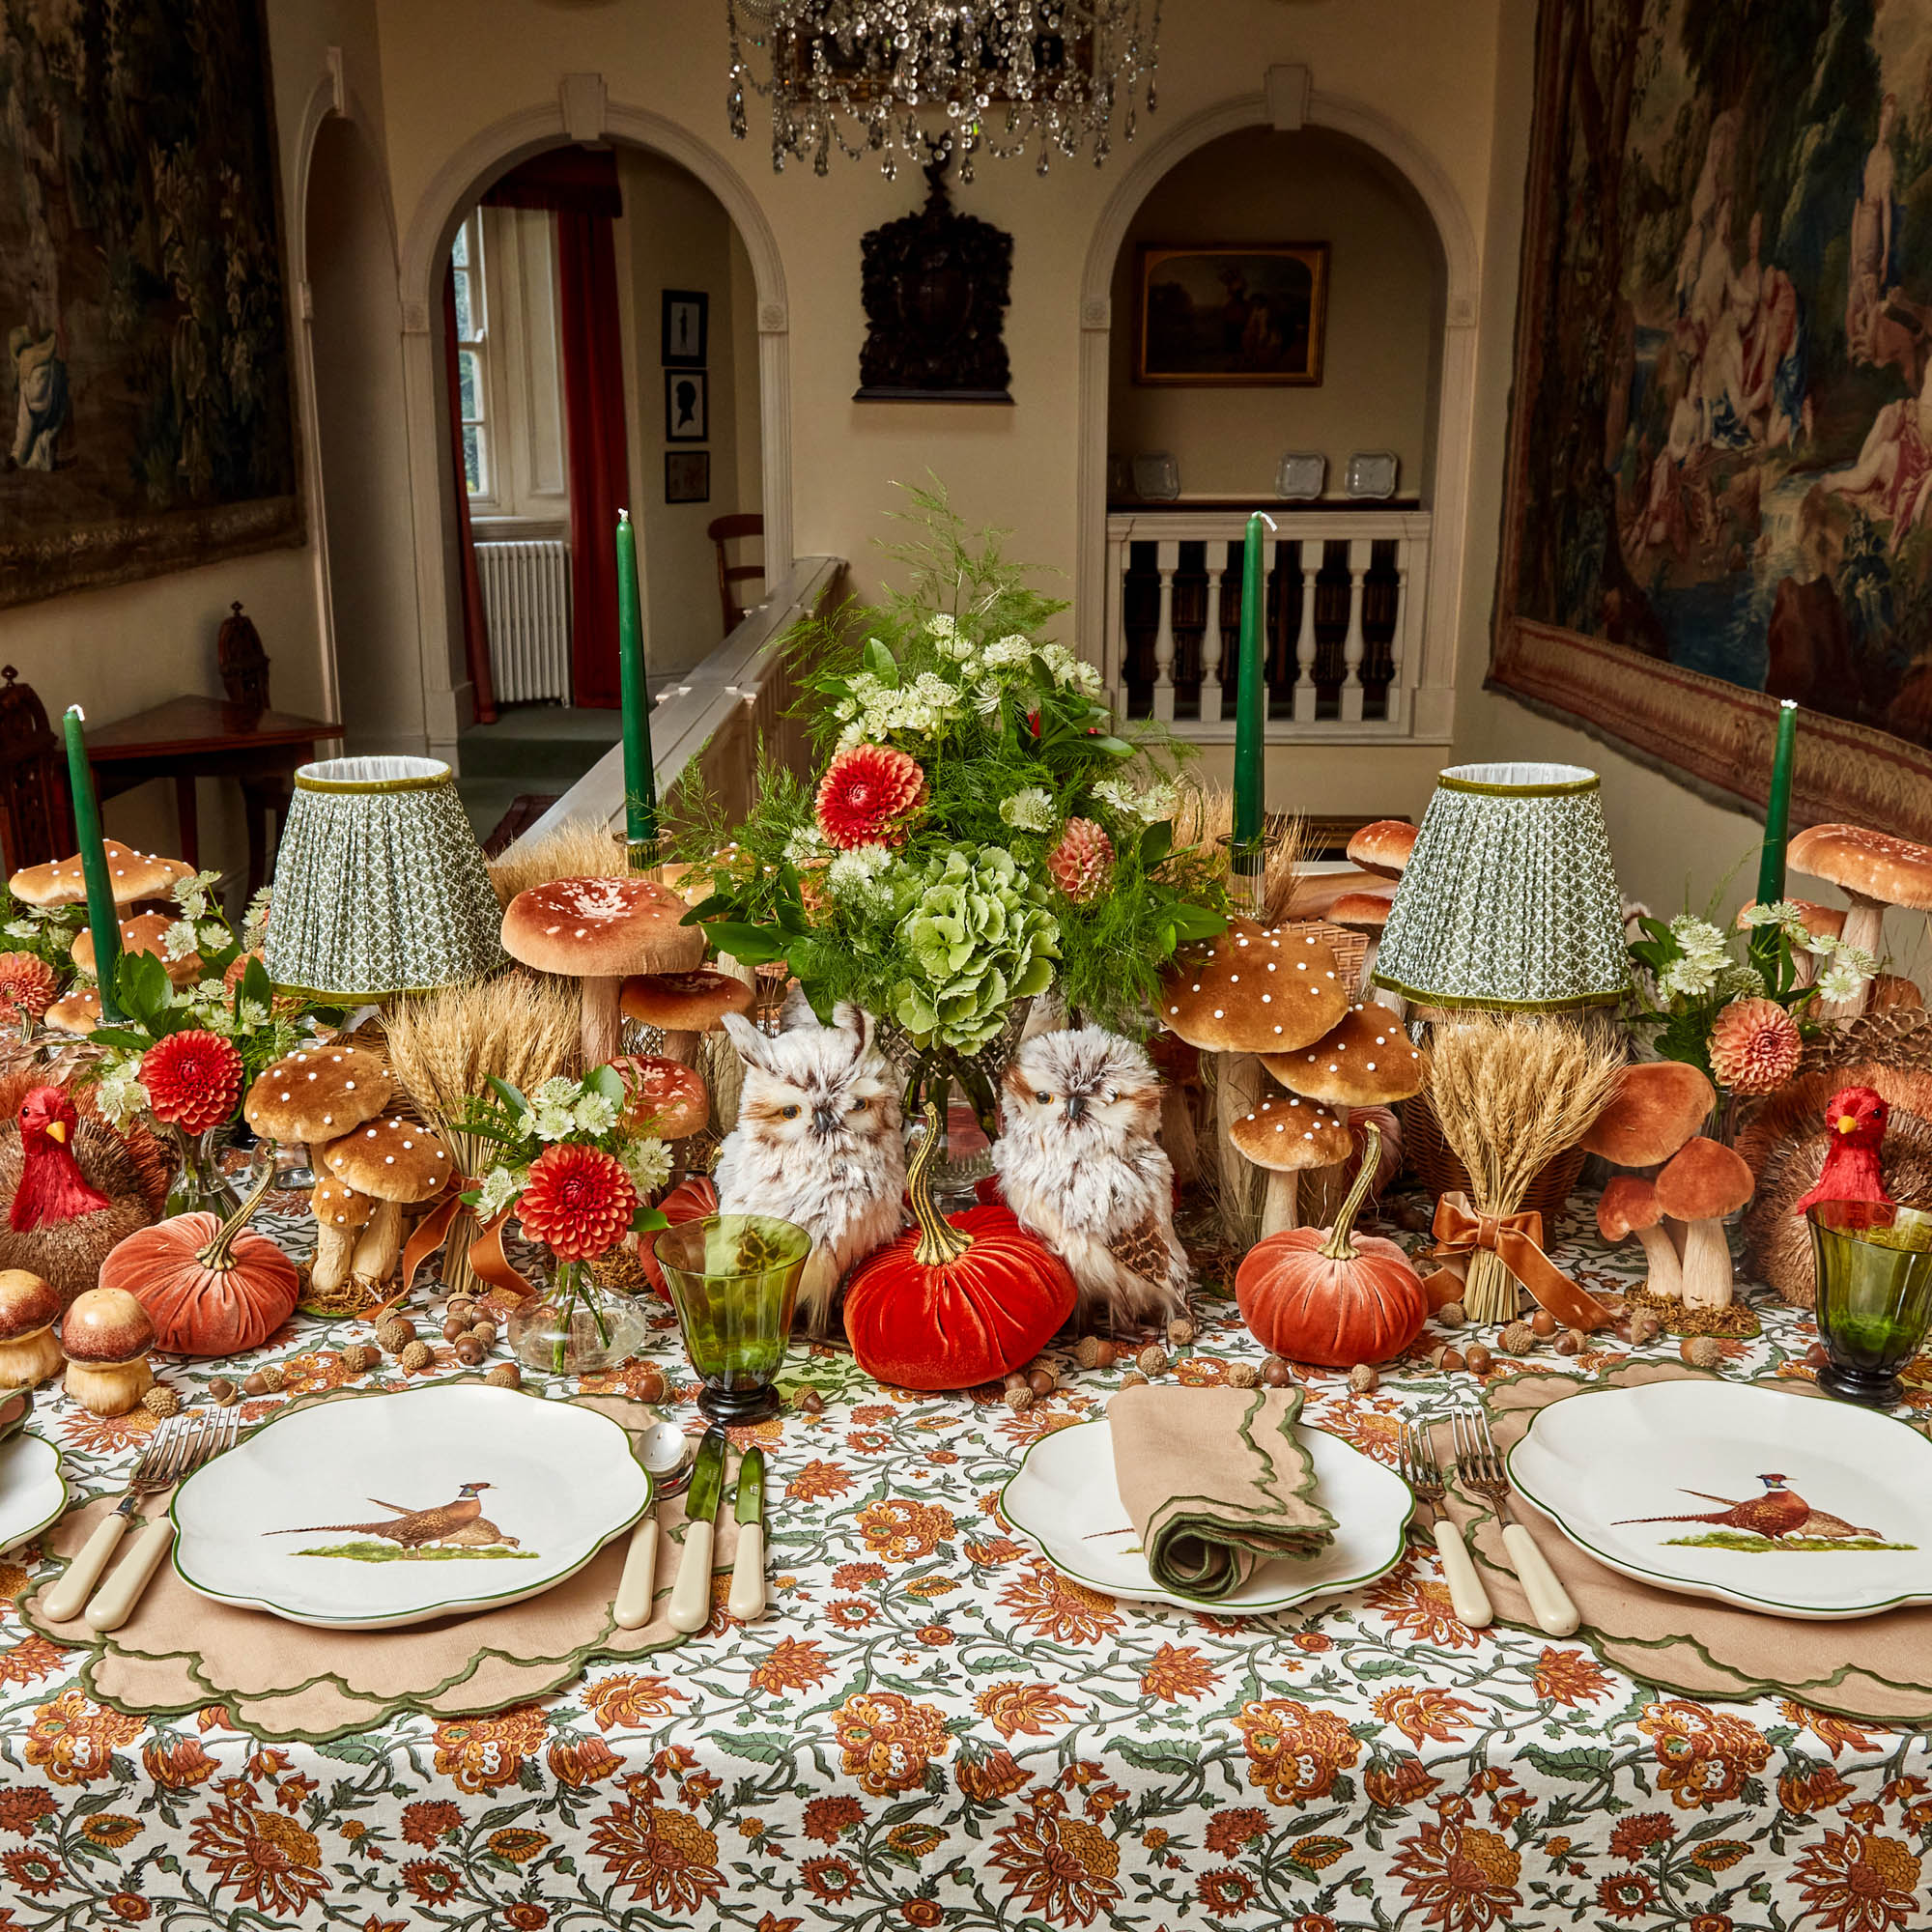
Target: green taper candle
(1778,813)
(1251,698)
(103,918)
(640,784)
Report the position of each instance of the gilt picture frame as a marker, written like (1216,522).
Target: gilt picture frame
(1229,314)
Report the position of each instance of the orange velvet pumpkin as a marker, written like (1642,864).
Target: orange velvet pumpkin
(961,1298)
(1328,1296)
(209,1286)
(691,1200)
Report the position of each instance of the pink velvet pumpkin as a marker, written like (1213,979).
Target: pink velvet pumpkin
(209,1286)
(1328,1296)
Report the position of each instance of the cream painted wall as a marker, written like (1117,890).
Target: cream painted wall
(1384,302)
(745,383)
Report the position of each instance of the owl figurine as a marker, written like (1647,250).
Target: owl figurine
(1080,1165)
(818,1141)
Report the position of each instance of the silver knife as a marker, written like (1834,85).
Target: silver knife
(690,1594)
(746,1602)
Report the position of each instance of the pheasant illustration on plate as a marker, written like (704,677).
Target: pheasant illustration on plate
(1779,1518)
(453,1529)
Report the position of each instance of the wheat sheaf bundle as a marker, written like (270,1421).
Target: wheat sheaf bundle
(1512,1090)
(1203,815)
(579,848)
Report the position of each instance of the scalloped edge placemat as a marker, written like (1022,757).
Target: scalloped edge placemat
(179,1651)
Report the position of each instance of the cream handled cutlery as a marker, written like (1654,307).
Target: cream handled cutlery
(1480,1465)
(113,1603)
(746,1602)
(1423,1473)
(691,1594)
(665,1451)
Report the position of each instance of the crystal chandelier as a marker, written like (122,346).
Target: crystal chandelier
(927,80)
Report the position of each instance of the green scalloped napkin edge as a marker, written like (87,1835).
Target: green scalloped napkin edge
(439,1700)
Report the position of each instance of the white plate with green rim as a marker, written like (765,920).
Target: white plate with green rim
(33,1493)
(385,1510)
(1063,1500)
(1790,1504)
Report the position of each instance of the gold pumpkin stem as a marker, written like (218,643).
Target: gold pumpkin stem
(1337,1247)
(220,1254)
(940,1242)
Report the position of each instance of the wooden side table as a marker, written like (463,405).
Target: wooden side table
(192,737)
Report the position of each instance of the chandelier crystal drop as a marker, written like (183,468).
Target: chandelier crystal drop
(927,80)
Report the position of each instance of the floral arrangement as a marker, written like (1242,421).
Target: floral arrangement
(577,1166)
(1741,1020)
(42,932)
(980,828)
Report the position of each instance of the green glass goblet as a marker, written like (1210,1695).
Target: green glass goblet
(733,1279)
(1874,1268)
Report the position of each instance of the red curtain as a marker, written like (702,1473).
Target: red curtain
(475,621)
(593,394)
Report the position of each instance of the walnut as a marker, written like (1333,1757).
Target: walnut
(1152,1360)
(1243,1375)
(1451,1315)
(1701,1352)
(505,1376)
(161,1401)
(416,1356)
(1518,1339)
(1181,1331)
(1362,1379)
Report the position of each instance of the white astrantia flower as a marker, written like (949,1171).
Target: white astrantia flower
(805,845)
(556,1091)
(1839,981)
(647,1162)
(1864,964)
(552,1122)
(500,1187)
(856,879)
(22,928)
(1780,912)
(119,1092)
(180,940)
(1740,982)
(1151,806)
(254,1013)
(215,935)
(255,921)
(1028,810)
(1687,977)
(595,1113)
(192,893)
(986,696)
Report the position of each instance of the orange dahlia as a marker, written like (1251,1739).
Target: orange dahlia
(194,1079)
(1082,861)
(1754,1047)
(578,1201)
(26,981)
(868,795)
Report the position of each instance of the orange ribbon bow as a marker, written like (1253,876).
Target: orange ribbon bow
(1517,1241)
(486,1251)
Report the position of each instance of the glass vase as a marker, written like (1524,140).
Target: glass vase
(199,1184)
(1874,1272)
(733,1280)
(571,1328)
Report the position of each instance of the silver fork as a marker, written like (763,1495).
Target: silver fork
(204,1437)
(1480,1464)
(1423,1473)
(155,1470)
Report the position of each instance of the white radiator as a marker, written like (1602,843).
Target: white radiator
(527,598)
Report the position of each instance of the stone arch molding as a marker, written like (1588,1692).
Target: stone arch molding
(581,111)
(1433,719)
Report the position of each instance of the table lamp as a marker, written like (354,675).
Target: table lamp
(380,886)
(1510,898)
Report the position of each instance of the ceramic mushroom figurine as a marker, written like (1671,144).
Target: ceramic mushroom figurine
(601,931)
(341,1213)
(105,1335)
(684,1007)
(1706,1181)
(1628,1205)
(1873,870)
(397,1161)
(29,1308)
(317,1094)
(1285,1137)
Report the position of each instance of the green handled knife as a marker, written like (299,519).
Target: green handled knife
(690,1594)
(746,1602)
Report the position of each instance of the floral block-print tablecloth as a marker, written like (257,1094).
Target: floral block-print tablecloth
(933,1727)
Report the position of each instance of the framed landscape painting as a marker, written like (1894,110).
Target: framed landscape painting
(146,410)
(1719,483)
(1241,312)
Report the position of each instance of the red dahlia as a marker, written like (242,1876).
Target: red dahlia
(867,795)
(578,1201)
(26,981)
(193,1080)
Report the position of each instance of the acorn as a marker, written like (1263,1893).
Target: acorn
(1518,1339)
(1276,1374)
(1543,1323)
(809,1400)
(1451,1315)
(161,1401)
(395,1334)
(1242,1375)
(1570,1341)
(453,1328)
(505,1376)
(1701,1352)
(486,1333)
(462,1308)
(1152,1360)
(651,1384)
(1106,1356)
(1478,1360)
(1087,1351)
(1450,1360)
(265,1380)
(469,1351)
(1181,1331)
(416,1355)
(223,1393)
(1815,1357)
(1133,1379)
(1644,1326)
(1363,1379)
(1042,1381)
(1018,1394)
(358,1358)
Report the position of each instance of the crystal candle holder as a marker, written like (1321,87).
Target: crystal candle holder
(733,1279)
(1874,1271)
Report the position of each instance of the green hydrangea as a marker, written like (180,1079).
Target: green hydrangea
(979,937)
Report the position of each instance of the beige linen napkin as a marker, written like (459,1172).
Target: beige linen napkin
(1216,1483)
(1878,1668)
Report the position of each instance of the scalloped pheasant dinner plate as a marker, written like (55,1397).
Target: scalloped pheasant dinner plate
(389,1509)
(32,1491)
(1792,1504)
(1064,1500)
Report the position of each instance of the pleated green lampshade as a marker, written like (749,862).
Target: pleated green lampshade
(380,884)
(1510,899)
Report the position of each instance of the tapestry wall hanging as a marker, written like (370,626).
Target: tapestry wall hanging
(145,417)
(1720,486)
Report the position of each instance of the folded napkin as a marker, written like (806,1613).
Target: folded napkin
(1216,1483)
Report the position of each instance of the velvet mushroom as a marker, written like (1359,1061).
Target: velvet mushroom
(1364,1060)
(105,1335)
(601,931)
(29,1308)
(341,1213)
(132,876)
(397,1161)
(1657,1106)
(684,1007)
(1628,1205)
(1873,870)
(145,932)
(663,1095)
(317,1094)
(1285,1137)
(79,1013)
(1701,1185)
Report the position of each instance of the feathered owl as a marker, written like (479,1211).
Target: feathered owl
(818,1141)
(1079,1163)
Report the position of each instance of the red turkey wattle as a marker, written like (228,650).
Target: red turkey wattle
(52,1187)
(1856,1118)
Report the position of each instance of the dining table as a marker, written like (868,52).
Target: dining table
(931,1726)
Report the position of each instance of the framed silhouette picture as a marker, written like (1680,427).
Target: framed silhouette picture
(687,405)
(687,476)
(1238,312)
(687,323)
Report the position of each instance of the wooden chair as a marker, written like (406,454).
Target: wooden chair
(723,531)
(35,822)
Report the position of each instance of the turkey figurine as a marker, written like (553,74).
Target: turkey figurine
(73,1187)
